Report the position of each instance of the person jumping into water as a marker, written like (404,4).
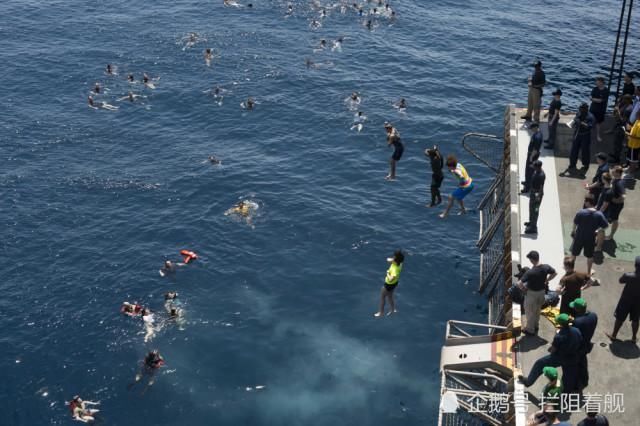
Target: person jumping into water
(80,410)
(437,163)
(393,138)
(465,185)
(391,283)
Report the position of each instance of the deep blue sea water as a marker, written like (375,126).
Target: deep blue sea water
(93,201)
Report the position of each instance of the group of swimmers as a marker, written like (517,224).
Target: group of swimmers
(99,91)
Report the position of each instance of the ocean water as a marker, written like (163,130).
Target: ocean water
(93,201)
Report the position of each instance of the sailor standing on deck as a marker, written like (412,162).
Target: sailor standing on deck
(535,197)
(533,153)
(586,322)
(537,80)
(537,284)
(582,124)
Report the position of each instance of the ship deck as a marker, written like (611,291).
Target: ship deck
(613,366)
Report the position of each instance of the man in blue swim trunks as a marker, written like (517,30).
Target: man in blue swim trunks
(393,138)
(465,185)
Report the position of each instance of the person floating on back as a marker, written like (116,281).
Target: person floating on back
(437,163)
(465,185)
(390,283)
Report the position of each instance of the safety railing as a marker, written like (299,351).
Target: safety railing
(493,210)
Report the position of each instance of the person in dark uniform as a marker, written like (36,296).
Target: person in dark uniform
(535,197)
(628,88)
(554,118)
(537,80)
(622,113)
(563,352)
(599,98)
(588,231)
(437,163)
(393,138)
(594,419)
(533,153)
(586,322)
(596,186)
(582,124)
(629,303)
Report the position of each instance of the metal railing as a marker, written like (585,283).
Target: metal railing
(494,211)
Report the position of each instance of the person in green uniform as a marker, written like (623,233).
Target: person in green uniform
(391,282)
(553,389)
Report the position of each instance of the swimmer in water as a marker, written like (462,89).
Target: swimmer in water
(96,88)
(321,46)
(249,104)
(358,121)
(130,78)
(289,11)
(96,105)
(131,97)
(169,267)
(80,410)
(465,185)
(208,55)
(151,363)
(233,3)
(353,101)
(243,208)
(149,320)
(337,44)
(131,309)
(147,81)
(110,70)
(391,283)
(401,105)
(369,24)
(315,24)
(213,160)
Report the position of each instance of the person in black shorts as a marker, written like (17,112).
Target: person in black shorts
(437,163)
(616,200)
(586,224)
(393,138)
(629,303)
(599,98)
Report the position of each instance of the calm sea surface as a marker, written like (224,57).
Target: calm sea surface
(93,201)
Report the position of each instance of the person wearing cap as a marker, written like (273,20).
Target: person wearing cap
(586,322)
(554,117)
(563,352)
(437,163)
(588,232)
(535,197)
(465,185)
(596,185)
(535,282)
(599,98)
(536,82)
(393,138)
(628,304)
(552,390)
(571,285)
(533,153)
(581,144)
(622,113)
(594,419)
